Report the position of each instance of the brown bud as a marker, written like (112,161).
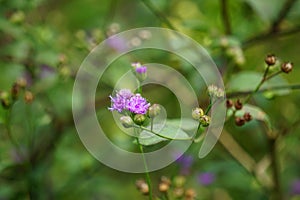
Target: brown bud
(238,105)
(15,90)
(163,187)
(247,116)
(229,103)
(270,59)
(5,103)
(287,67)
(239,121)
(190,194)
(28,97)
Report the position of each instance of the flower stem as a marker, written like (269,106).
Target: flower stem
(146,168)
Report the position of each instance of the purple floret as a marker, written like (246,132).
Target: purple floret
(120,101)
(206,178)
(141,70)
(138,105)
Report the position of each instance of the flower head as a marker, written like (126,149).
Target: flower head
(120,101)
(141,70)
(137,104)
(215,91)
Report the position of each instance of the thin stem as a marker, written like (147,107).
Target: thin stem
(158,14)
(273,75)
(146,168)
(225,17)
(275,169)
(273,88)
(152,119)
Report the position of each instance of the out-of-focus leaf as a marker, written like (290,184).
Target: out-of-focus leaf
(185,124)
(147,138)
(247,81)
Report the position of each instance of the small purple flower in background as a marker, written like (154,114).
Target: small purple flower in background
(185,162)
(295,187)
(206,178)
(117,43)
(46,71)
(138,105)
(120,101)
(126,100)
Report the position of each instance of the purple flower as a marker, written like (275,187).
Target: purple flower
(117,43)
(185,162)
(137,104)
(120,101)
(126,100)
(141,70)
(206,178)
(295,187)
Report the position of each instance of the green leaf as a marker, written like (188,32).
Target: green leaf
(185,124)
(148,138)
(247,81)
(256,113)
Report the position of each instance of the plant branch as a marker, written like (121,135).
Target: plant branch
(158,14)
(225,17)
(282,15)
(273,88)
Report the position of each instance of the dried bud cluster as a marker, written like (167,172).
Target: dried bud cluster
(240,121)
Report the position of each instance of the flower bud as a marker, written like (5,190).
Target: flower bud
(190,194)
(22,82)
(179,181)
(178,192)
(166,180)
(28,97)
(238,105)
(239,121)
(205,120)
(126,121)
(270,59)
(154,110)
(197,113)
(247,116)
(287,67)
(163,187)
(229,103)
(139,119)
(142,187)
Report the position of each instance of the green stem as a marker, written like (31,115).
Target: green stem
(280,87)
(152,123)
(159,135)
(146,168)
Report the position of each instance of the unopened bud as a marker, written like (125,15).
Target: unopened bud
(22,82)
(4,99)
(142,187)
(238,105)
(247,116)
(154,110)
(239,121)
(197,113)
(179,181)
(126,121)
(190,194)
(287,67)
(178,192)
(205,120)
(28,97)
(166,180)
(163,187)
(270,60)
(229,103)
(139,119)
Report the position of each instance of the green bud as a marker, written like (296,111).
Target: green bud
(126,121)
(205,120)
(197,113)
(139,119)
(154,110)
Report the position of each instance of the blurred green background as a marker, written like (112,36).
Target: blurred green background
(44,43)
